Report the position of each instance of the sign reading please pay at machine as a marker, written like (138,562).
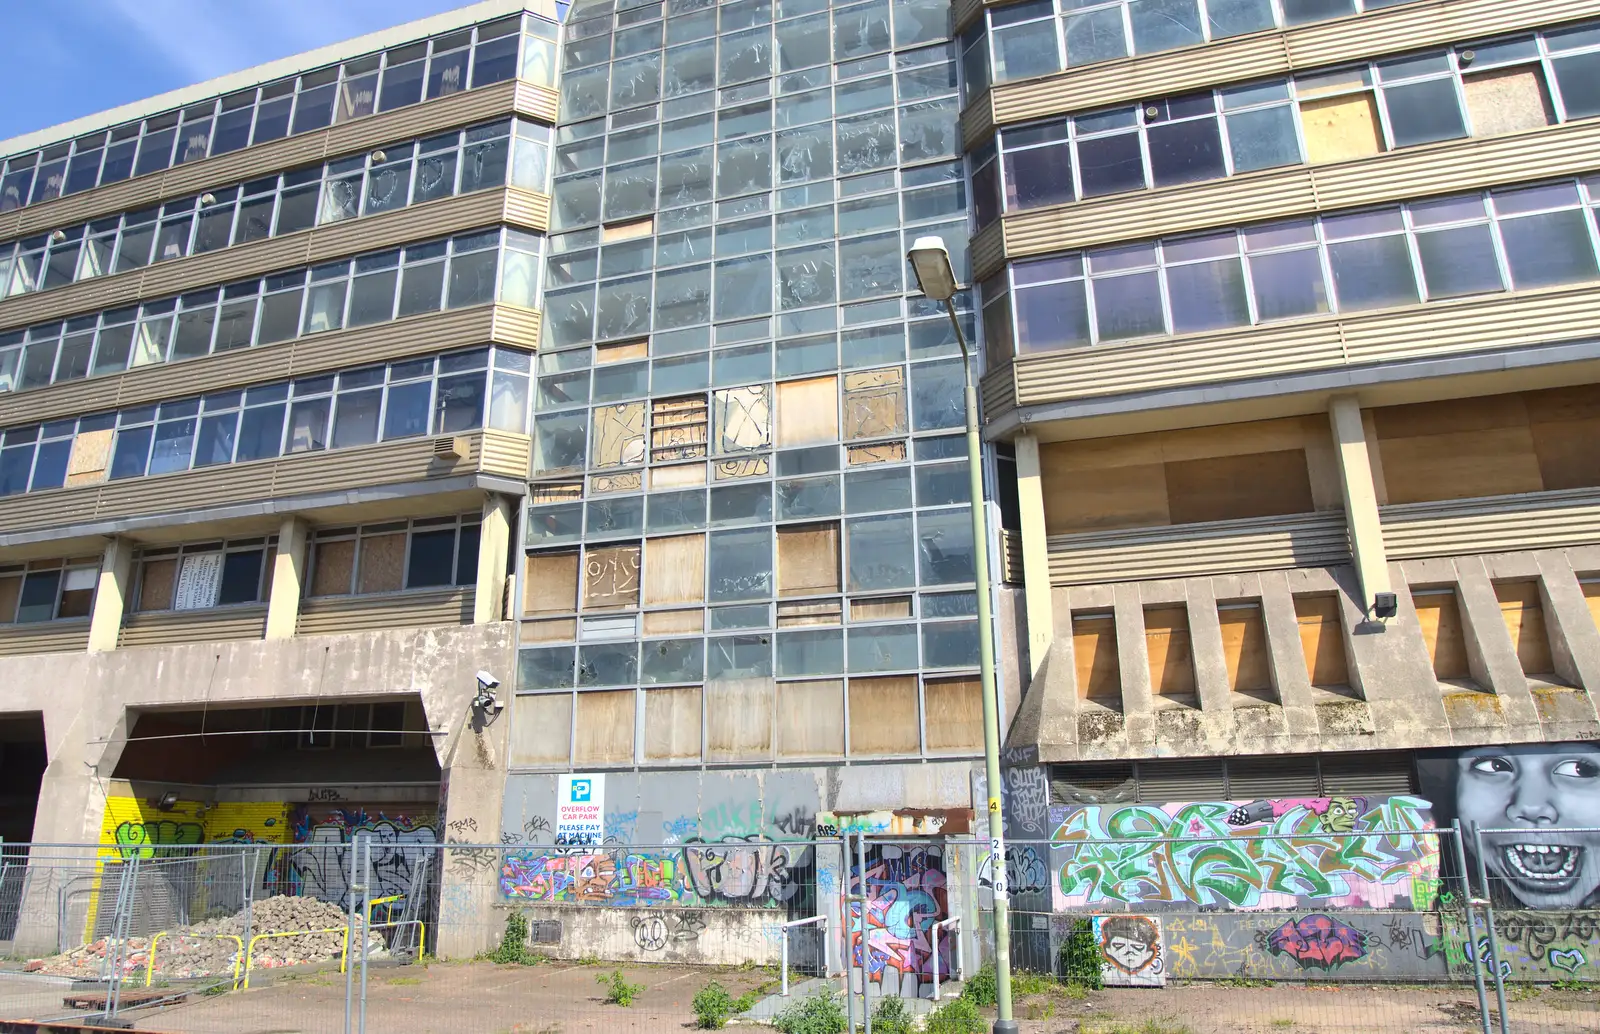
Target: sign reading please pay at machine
(580,808)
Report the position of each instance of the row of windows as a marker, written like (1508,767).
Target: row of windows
(732,289)
(48,590)
(424,553)
(1045,36)
(388,178)
(465,270)
(803,98)
(1510,239)
(204,575)
(640,73)
(314,100)
(444,395)
(1480,90)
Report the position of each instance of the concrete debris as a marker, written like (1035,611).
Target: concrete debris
(312,932)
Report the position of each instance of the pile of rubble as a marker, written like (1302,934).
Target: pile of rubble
(313,932)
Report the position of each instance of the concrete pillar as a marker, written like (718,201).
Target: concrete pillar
(1035,551)
(111,595)
(493,542)
(288,579)
(1360,498)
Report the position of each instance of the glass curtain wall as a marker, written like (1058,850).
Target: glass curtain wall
(748,534)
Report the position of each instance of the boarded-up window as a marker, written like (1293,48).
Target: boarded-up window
(874,403)
(664,622)
(77,592)
(1322,640)
(808,559)
(10,592)
(954,710)
(550,583)
(1458,449)
(1508,100)
(1566,424)
(678,429)
(675,570)
(90,452)
(156,582)
(672,724)
(1340,128)
(738,719)
(332,567)
(1166,637)
(1244,648)
(811,719)
(1134,496)
(611,578)
(1523,610)
(1591,595)
(883,716)
(1094,652)
(808,411)
(1257,484)
(542,730)
(618,435)
(880,608)
(604,728)
(383,563)
(1439,617)
(620,351)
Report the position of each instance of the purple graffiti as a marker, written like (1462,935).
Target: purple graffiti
(1318,942)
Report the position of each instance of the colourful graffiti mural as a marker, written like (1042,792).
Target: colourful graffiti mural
(1246,854)
(906,896)
(732,871)
(1130,951)
(133,826)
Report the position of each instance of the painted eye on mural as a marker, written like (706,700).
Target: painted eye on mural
(1493,766)
(1578,768)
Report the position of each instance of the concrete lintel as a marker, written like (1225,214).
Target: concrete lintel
(1489,639)
(1574,640)
(1133,660)
(1289,675)
(1360,498)
(1205,642)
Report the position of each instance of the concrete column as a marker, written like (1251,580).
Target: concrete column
(493,542)
(1035,551)
(1360,498)
(111,595)
(288,579)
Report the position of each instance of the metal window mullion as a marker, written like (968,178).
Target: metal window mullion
(1330,288)
(1252,313)
(1413,249)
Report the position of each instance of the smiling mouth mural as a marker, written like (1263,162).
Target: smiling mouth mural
(1548,866)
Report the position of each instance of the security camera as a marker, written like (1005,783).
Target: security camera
(487,681)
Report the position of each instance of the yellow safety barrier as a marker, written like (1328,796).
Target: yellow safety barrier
(150,962)
(344,956)
(422,928)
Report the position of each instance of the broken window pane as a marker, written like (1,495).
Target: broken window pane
(683,297)
(608,664)
(805,154)
(744,166)
(545,669)
(739,657)
(559,440)
(944,539)
(883,648)
(870,266)
(740,565)
(624,308)
(808,497)
(672,660)
(630,190)
(806,277)
(880,553)
(928,131)
(866,142)
(938,394)
(744,287)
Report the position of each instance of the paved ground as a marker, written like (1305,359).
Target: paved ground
(562,998)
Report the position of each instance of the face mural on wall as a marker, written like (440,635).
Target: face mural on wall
(1547,793)
(1130,950)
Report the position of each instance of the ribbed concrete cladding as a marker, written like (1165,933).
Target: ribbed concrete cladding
(341,614)
(1439,328)
(500,453)
(1419,172)
(511,205)
(1272,52)
(509,98)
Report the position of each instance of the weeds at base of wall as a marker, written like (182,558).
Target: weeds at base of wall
(818,1014)
(513,949)
(957,1016)
(714,1007)
(618,990)
(893,1016)
(982,989)
(1152,1025)
(1079,957)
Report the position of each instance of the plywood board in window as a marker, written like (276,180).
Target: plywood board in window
(1322,640)
(1244,649)
(678,428)
(541,729)
(618,435)
(1094,654)
(1258,484)
(811,719)
(661,622)
(1451,416)
(1166,637)
(1508,100)
(156,582)
(1439,618)
(611,578)
(550,583)
(1523,611)
(739,719)
(1566,453)
(1340,128)
(332,567)
(383,563)
(672,724)
(675,570)
(1591,596)
(1134,496)
(874,403)
(954,710)
(880,608)
(550,630)
(627,231)
(797,613)
(10,592)
(1461,465)
(620,351)
(91,451)
(625,481)
(883,716)
(678,477)
(878,452)
(604,728)
(741,419)
(555,492)
(808,411)
(808,559)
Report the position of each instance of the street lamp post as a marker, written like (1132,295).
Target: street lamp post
(930,259)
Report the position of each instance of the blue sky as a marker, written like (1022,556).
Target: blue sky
(68,58)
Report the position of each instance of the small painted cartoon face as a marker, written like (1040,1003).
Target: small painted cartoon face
(1541,791)
(1129,953)
(1340,816)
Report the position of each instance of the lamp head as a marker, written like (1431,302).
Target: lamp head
(930,260)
